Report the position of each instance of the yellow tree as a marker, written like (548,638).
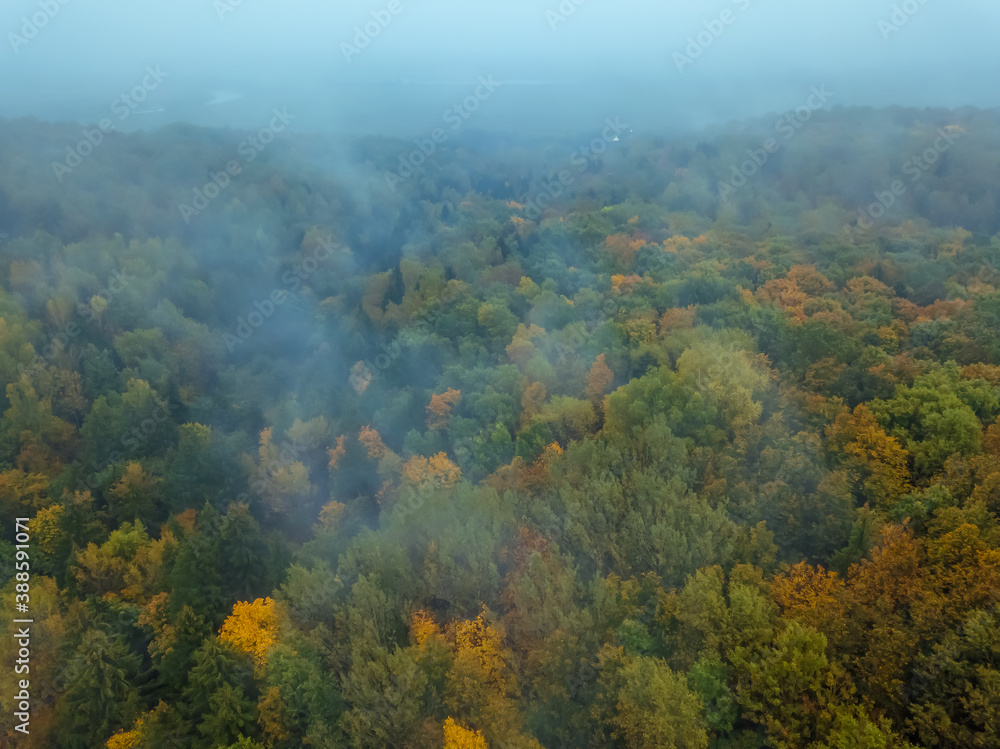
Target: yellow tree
(436,471)
(132,739)
(331,515)
(876,462)
(46,530)
(963,575)
(729,378)
(480,685)
(814,596)
(456,737)
(252,629)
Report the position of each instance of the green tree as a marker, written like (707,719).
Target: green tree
(651,706)
(101,694)
(939,415)
(958,703)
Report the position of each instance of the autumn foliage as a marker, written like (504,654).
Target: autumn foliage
(372,441)
(437,471)
(252,628)
(646,469)
(457,737)
(440,407)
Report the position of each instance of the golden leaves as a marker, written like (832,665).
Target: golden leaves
(457,737)
(423,628)
(252,628)
(440,407)
(372,441)
(336,453)
(437,471)
(331,514)
(621,284)
(875,460)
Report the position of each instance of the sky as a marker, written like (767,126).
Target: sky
(399,67)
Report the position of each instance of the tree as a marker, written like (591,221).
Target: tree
(252,629)
(218,682)
(815,597)
(437,471)
(457,737)
(568,418)
(522,348)
(383,691)
(101,692)
(599,379)
(440,408)
(280,479)
(135,497)
(876,461)
(372,441)
(229,713)
(498,321)
(127,564)
(538,594)
(176,636)
(728,379)
(938,415)
(958,687)
(879,641)
(650,705)
(480,685)
(29,426)
(788,686)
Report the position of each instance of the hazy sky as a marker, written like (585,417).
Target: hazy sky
(598,58)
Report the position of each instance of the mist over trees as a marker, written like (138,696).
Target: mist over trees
(610,440)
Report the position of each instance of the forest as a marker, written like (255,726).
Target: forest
(607,440)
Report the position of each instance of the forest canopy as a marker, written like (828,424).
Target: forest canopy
(564,443)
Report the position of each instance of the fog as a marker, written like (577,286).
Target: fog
(396,68)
